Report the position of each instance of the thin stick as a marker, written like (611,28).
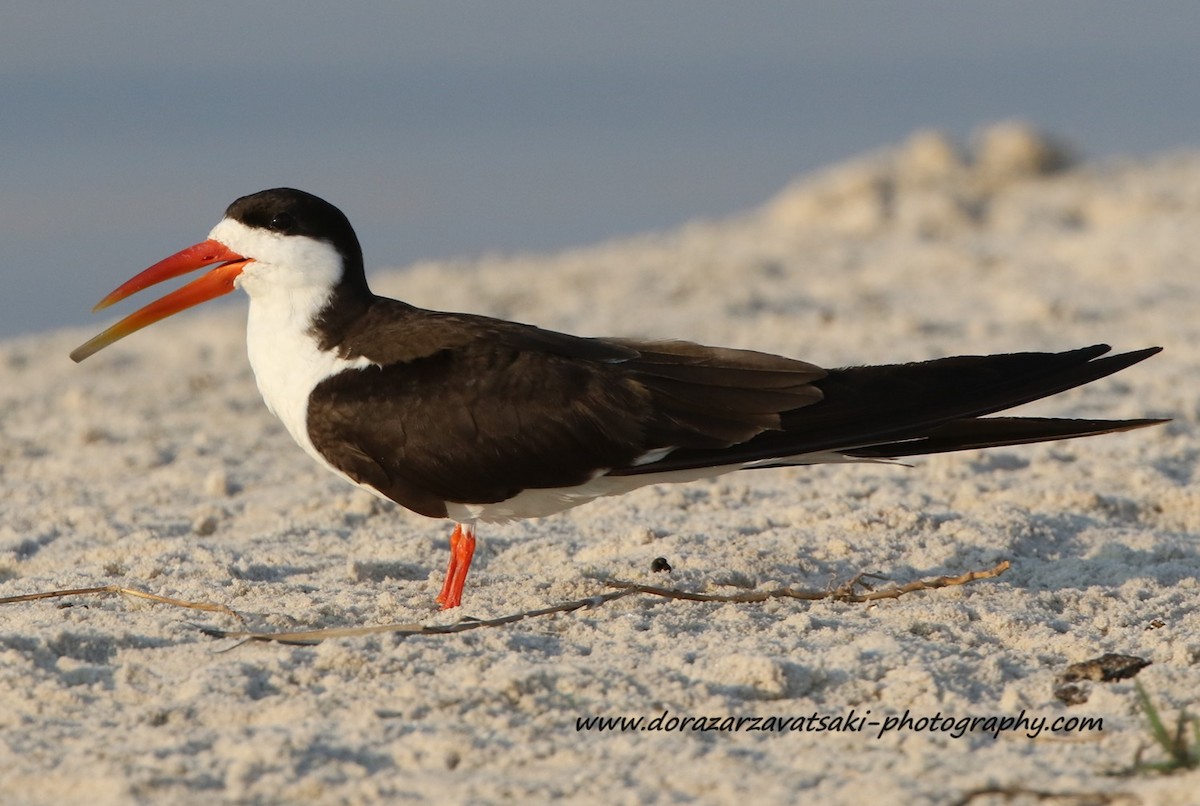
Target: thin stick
(843,593)
(317,636)
(121,590)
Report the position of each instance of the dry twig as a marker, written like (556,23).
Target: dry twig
(122,591)
(843,593)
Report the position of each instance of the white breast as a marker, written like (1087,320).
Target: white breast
(288,365)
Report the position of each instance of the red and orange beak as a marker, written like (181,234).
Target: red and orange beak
(214,283)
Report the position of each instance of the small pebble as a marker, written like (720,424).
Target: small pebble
(216,484)
(205,525)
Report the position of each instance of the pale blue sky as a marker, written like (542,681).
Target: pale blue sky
(450,128)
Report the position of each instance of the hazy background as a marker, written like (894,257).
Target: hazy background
(451,128)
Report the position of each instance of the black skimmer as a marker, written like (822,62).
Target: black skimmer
(477,419)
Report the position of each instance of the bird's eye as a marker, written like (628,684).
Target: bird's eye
(282,222)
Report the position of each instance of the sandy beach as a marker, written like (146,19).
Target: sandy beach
(154,465)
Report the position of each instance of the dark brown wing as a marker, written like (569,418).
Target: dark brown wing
(473,410)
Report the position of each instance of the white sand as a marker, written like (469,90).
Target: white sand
(155,465)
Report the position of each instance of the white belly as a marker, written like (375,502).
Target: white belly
(539,503)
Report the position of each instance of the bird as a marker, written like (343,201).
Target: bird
(478,419)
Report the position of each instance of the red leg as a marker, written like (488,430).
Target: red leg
(462,549)
(452,566)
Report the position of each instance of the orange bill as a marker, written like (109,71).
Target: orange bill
(216,282)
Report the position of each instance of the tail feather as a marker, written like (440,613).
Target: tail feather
(934,406)
(995,432)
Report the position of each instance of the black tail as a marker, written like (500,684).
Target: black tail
(896,410)
(995,432)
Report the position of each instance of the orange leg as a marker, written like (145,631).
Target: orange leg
(462,549)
